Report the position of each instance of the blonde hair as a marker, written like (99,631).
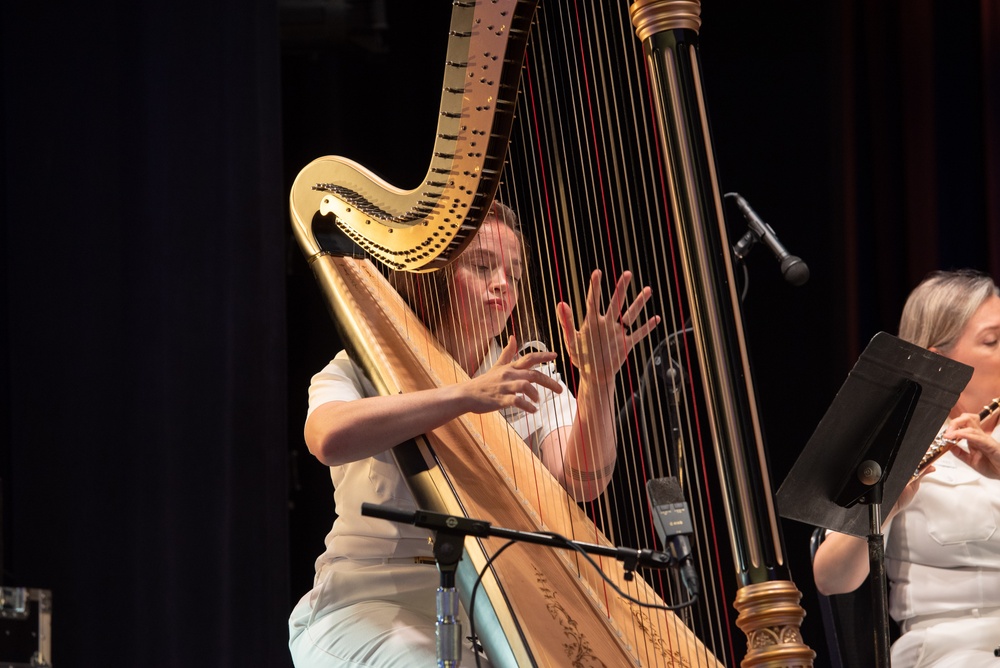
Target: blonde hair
(939,308)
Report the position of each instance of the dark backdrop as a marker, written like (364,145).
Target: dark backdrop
(144,443)
(155,370)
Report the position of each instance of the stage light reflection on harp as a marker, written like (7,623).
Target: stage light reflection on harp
(598,140)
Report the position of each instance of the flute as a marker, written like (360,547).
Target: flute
(942,445)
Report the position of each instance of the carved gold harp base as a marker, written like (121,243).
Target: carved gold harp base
(771,617)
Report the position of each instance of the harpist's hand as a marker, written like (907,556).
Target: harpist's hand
(984,451)
(604,340)
(510,382)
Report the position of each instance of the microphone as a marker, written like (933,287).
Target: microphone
(793,268)
(673,378)
(667,370)
(672,520)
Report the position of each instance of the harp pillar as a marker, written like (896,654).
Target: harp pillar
(767,600)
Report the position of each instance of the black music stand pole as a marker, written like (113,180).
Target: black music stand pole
(879,582)
(866,448)
(866,487)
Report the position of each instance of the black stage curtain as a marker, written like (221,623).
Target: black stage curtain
(144,439)
(148,374)
(920,159)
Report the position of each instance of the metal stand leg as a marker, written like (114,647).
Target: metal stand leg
(448,552)
(880,589)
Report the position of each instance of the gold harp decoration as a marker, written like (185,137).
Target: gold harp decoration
(543,607)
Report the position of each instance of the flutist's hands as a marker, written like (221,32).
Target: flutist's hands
(604,340)
(984,450)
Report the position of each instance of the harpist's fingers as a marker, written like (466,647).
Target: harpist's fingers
(621,289)
(539,378)
(594,298)
(642,332)
(630,316)
(534,359)
(508,352)
(567,321)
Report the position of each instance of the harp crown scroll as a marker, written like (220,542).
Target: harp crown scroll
(425,228)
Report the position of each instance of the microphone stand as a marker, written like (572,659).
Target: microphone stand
(672,381)
(447,554)
(449,537)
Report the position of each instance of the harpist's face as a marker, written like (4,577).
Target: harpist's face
(485,281)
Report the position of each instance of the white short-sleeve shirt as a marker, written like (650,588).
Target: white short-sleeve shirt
(943,550)
(378,479)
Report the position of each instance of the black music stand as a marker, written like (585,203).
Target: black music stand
(866,448)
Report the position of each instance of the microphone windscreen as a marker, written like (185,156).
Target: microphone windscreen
(795,270)
(664,490)
(671,516)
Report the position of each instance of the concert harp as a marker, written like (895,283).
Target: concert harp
(542,607)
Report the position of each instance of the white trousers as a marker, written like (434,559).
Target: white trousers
(371,615)
(967,642)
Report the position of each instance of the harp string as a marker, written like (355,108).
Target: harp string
(582,284)
(585,179)
(616,104)
(570,264)
(691,467)
(558,241)
(640,139)
(597,115)
(569,123)
(577,233)
(556,282)
(557,148)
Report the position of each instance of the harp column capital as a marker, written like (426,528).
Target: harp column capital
(655,16)
(770,616)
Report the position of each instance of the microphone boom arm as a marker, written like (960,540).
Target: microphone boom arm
(456,525)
